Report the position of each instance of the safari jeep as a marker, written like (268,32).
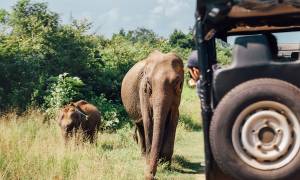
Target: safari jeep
(251,109)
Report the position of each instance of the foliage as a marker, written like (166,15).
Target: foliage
(63,90)
(113,116)
(3,16)
(182,40)
(224,55)
(36,50)
(140,35)
(22,50)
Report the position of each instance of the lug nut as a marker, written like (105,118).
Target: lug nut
(267,122)
(276,147)
(278,130)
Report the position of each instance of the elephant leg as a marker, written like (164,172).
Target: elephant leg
(148,132)
(66,136)
(79,136)
(140,129)
(92,134)
(147,121)
(169,136)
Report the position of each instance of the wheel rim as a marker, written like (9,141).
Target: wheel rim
(266,135)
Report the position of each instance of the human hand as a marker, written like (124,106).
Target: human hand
(195,73)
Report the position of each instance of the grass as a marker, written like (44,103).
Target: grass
(31,149)
(190,109)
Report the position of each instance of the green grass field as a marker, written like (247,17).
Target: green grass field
(31,149)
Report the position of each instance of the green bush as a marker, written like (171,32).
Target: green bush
(224,53)
(113,116)
(63,90)
(182,40)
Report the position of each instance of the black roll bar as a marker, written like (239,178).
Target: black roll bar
(205,88)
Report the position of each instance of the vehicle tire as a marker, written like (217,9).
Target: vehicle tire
(255,131)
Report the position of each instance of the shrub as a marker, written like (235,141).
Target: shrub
(113,115)
(63,90)
(224,52)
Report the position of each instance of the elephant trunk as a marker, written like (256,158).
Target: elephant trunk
(160,112)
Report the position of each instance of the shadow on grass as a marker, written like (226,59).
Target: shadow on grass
(187,167)
(188,123)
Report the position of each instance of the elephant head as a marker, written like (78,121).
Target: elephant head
(70,118)
(160,98)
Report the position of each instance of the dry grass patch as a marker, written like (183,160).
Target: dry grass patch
(31,149)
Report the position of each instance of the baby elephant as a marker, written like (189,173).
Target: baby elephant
(79,118)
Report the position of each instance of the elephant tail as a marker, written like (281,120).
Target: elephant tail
(134,135)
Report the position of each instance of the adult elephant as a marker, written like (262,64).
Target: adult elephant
(151,93)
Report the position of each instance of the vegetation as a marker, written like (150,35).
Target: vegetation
(31,149)
(46,64)
(35,49)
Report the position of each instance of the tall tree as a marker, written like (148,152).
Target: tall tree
(182,40)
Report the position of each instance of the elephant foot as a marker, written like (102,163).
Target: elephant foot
(149,176)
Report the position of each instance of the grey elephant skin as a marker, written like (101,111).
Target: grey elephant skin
(151,93)
(81,119)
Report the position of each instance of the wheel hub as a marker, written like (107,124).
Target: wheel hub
(264,135)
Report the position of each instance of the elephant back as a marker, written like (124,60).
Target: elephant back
(93,114)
